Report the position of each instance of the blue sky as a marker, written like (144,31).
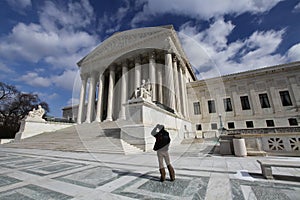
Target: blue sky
(41,41)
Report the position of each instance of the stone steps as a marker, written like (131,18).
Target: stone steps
(80,138)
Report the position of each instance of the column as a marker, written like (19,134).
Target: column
(137,72)
(169,80)
(100,96)
(91,99)
(124,90)
(181,80)
(110,98)
(176,84)
(152,74)
(186,113)
(159,96)
(82,99)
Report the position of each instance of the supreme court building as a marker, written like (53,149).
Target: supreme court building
(115,72)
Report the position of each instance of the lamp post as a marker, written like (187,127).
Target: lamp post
(221,124)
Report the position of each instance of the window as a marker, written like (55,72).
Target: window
(214,126)
(197,108)
(227,105)
(270,123)
(249,124)
(211,106)
(264,101)
(293,122)
(230,125)
(198,127)
(245,103)
(285,98)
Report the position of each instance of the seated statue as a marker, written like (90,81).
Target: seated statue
(36,115)
(144,91)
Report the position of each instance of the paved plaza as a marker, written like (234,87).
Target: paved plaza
(200,174)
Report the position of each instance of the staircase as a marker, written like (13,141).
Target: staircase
(93,137)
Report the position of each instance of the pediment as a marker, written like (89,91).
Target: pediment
(164,38)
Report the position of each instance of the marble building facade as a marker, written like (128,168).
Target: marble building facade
(267,97)
(262,98)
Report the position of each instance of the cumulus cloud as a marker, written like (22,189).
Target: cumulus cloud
(202,9)
(65,80)
(19,5)
(211,54)
(58,39)
(293,53)
(33,79)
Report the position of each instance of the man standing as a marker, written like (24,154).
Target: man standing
(161,146)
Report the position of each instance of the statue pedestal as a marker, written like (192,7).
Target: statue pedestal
(143,116)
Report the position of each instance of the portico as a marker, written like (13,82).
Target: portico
(109,80)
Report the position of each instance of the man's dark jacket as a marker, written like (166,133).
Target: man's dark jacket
(162,139)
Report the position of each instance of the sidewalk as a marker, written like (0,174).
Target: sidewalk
(46,174)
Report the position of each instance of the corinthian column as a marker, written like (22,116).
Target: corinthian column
(91,100)
(182,91)
(159,96)
(137,72)
(169,80)
(124,90)
(82,99)
(176,83)
(110,94)
(100,95)
(152,74)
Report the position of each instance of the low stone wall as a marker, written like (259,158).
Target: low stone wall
(32,128)
(274,143)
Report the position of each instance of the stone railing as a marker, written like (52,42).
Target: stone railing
(273,141)
(295,129)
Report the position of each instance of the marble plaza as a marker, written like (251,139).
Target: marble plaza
(47,174)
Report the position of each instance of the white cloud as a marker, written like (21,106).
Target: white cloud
(19,5)
(297,8)
(65,80)
(46,96)
(112,23)
(211,54)
(33,79)
(202,9)
(5,68)
(58,39)
(293,53)
(73,101)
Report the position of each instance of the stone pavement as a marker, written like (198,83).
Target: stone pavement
(47,174)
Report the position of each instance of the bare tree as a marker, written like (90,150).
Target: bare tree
(14,106)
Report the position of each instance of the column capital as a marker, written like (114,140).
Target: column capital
(125,63)
(112,67)
(152,55)
(84,76)
(175,58)
(181,67)
(138,59)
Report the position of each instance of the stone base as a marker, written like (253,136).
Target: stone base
(32,128)
(143,117)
